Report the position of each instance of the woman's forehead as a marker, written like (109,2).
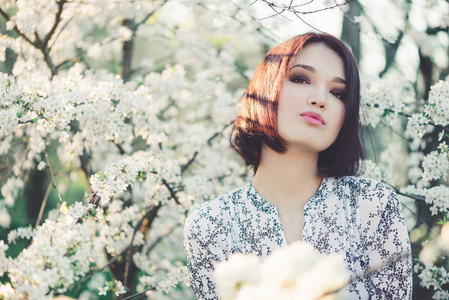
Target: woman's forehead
(319,58)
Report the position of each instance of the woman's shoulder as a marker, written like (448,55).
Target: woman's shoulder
(218,207)
(367,190)
(373,201)
(358,183)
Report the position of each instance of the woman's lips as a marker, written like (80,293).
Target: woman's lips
(313,118)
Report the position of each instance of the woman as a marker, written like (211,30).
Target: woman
(299,129)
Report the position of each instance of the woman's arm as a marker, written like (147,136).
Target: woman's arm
(206,243)
(390,257)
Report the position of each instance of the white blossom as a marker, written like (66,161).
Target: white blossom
(288,273)
(381,95)
(441,295)
(435,165)
(147,280)
(238,271)
(417,126)
(11,189)
(119,288)
(371,170)
(5,218)
(103,290)
(7,291)
(438,107)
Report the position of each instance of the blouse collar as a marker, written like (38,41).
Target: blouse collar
(264,206)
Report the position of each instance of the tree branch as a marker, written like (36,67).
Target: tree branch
(435,30)
(418,217)
(172,192)
(112,260)
(277,13)
(152,212)
(44,202)
(187,165)
(149,15)
(55,25)
(53,180)
(85,279)
(308,24)
(42,44)
(209,142)
(67,61)
(16,29)
(128,45)
(292,8)
(59,33)
(417,198)
(163,236)
(139,294)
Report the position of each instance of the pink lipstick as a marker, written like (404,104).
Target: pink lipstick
(313,118)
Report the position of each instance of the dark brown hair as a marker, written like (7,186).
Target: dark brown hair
(257,122)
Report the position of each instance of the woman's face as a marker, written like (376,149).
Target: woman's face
(311,103)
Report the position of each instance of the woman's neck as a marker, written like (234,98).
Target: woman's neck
(288,179)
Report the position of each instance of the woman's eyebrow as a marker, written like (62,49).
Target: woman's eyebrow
(309,68)
(339,80)
(313,70)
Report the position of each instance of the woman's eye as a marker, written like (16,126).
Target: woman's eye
(338,94)
(300,79)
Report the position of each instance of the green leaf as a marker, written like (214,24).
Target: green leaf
(101,176)
(442,221)
(142,175)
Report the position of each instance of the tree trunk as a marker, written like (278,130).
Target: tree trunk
(351,31)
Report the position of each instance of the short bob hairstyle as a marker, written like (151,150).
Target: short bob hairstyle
(257,122)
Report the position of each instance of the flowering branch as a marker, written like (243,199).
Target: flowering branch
(430,122)
(86,278)
(42,45)
(16,29)
(150,213)
(417,198)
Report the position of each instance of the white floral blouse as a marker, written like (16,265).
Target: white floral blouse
(359,218)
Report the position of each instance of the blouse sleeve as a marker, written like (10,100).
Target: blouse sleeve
(390,257)
(206,244)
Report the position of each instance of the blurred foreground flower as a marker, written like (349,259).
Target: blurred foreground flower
(296,272)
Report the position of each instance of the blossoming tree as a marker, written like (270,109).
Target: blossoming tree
(131,101)
(144,132)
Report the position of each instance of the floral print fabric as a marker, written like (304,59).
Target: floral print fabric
(359,218)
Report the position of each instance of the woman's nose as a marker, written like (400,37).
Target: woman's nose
(317,101)
(318,96)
